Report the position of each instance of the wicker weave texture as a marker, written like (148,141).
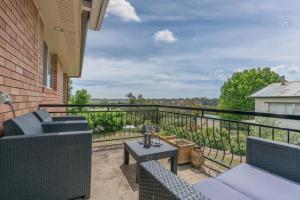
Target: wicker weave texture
(68,118)
(65,126)
(47,166)
(157,183)
(278,158)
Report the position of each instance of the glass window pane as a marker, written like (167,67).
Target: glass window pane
(289,108)
(277,108)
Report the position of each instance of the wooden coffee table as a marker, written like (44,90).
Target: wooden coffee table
(141,154)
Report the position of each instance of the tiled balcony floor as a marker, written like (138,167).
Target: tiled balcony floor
(111,180)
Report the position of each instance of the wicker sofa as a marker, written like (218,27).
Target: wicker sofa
(272,171)
(45,160)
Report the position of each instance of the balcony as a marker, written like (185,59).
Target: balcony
(221,134)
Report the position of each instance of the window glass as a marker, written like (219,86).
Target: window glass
(277,108)
(47,67)
(289,108)
(297,109)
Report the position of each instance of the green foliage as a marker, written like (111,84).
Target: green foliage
(81,97)
(139,99)
(106,121)
(165,133)
(70,88)
(236,90)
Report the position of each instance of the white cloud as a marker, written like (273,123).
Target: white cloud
(122,9)
(164,36)
(292,73)
(108,77)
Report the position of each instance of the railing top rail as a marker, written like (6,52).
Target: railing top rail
(221,111)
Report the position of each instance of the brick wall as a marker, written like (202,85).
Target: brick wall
(21,60)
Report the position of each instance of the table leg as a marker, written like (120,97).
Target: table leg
(126,157)
(174,164)
(137,172)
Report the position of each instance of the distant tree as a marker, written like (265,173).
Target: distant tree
(236,90)
(131,98)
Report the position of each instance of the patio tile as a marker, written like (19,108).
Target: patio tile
(114,181)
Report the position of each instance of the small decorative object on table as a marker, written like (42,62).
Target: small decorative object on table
(147,136)
(197,157)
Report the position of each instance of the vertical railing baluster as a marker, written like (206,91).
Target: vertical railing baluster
(223,146)
(230,144)
(215,141)
(208,137)
(238,142)
(201,132)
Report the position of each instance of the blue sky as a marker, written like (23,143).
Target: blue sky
(172,48)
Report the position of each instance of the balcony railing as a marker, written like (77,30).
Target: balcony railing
(221,133)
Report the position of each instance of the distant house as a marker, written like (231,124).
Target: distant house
(281,98)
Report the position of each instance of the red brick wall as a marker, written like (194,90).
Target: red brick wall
(21,60)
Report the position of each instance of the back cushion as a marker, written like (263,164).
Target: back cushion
(43,115)
(26,124)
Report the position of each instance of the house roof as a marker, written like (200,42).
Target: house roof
(289,89)
(65,25)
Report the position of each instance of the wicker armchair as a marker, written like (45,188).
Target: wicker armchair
(44,116)
(272,172)
(40,163)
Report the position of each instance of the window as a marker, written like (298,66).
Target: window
(284,108)
(47,67)
(297,109)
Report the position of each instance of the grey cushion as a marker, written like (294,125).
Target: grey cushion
(26,124)
(260,184)
(43,115)
(216,190)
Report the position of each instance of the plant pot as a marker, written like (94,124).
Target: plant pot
(197,157)
(184,148)
(164,138)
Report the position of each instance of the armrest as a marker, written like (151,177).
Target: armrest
(156,182)
(68,118)
(32,164)
(276,157)
(64,126)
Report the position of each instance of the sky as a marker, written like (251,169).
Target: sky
(184,49)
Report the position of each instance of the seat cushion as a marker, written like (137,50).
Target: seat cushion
(260,184)
(43,115)
(216,190)
(26,124)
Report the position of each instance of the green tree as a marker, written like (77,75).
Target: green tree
(81,97)
(236,91)
(70,88)
(131,98)
(139,99)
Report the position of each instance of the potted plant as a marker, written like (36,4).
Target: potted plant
(164,136)
(184,150)
(197,157)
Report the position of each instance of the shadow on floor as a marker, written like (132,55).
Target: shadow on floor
(130,175)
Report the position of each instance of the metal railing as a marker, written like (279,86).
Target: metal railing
(221,133)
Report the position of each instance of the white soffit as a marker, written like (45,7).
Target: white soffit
(64,14)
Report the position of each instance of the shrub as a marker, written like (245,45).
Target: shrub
(109,121)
